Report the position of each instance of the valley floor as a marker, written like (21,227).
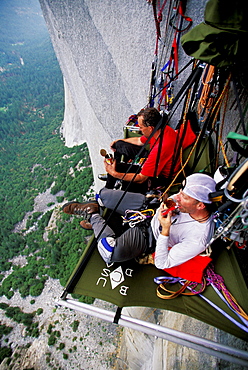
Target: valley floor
(92,346)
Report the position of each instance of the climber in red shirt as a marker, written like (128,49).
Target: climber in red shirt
(147,121)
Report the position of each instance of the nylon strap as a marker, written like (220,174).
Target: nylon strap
(235,136)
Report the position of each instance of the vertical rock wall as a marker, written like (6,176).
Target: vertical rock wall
(105,52)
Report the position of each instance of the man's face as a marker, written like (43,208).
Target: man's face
(146,131)
(186,203)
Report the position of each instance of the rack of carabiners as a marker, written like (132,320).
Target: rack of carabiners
(233,227)
(231,218)
(132,218)
(169,16)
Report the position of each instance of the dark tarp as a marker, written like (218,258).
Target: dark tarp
(222,38)
(131,284)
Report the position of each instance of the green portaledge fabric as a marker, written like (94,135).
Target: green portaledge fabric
(131,284)
(203,162)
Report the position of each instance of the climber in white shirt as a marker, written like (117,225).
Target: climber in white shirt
(182,236)
(177,237)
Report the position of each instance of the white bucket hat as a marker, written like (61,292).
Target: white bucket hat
(198,186)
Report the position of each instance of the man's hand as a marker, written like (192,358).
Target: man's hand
(110,168)
(165,222)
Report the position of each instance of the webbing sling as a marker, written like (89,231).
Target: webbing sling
(192,79)
(158,19)
(188,19)
(161,138)
(208,122)
(176,24)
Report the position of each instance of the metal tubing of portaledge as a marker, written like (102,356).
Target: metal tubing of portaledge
(200,344)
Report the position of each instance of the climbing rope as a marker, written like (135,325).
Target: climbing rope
(218,283)
(183,166)
(220,140)
(210,279)
(186,284)
(208,93)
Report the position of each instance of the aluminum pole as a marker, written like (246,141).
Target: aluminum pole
(218,350)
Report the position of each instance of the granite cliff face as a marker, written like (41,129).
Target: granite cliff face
(105,53)
(105,50)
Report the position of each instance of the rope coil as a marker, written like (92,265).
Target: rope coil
(210,278)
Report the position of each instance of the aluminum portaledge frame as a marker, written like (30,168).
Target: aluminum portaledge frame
(209,347)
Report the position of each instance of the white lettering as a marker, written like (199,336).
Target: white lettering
(116,278)
(104,281)
(129,272)
(123,290)
(105,272)
(110,264)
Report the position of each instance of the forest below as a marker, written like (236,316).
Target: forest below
(33,158)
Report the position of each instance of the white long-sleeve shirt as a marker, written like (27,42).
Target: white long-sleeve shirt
(187,239)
